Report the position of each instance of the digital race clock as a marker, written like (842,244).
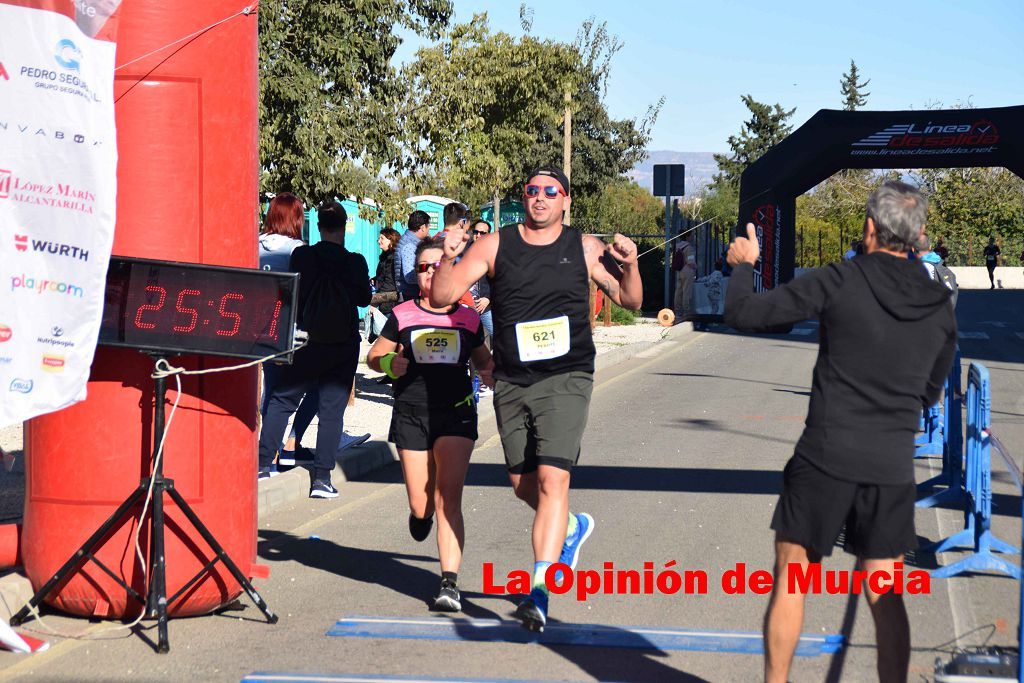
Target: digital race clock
(175,307)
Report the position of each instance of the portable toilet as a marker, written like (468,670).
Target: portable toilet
(433,205)
(512,211)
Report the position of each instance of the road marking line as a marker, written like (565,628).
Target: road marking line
(972,335)
(802,331)
(594,635)
(270,677)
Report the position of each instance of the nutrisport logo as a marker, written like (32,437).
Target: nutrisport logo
(63,74)
(46,192)
(906,139)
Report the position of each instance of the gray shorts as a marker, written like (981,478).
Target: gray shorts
(543,423)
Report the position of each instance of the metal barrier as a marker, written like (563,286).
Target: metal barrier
(951,476)
(977,534)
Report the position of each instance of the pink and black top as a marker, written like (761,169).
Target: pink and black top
(438,346)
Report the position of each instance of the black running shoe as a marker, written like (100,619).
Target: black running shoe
(419,529)
(448,598)
(322,489)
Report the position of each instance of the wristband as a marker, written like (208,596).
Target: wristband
(385,364)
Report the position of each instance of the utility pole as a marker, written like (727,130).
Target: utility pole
(567,148)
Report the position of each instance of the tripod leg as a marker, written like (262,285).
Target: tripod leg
(80,557)
(243,581)
(157,603)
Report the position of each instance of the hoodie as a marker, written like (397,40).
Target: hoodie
(887,336)
(335,261)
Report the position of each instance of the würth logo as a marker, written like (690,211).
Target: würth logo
(21,243)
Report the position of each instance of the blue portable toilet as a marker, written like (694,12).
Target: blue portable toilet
(512,211)
(433,205)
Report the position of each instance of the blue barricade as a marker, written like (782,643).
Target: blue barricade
(977,534)
(951,476)
(932,442)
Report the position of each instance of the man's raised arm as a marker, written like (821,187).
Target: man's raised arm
(452,280)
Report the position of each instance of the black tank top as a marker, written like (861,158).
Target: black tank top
(540,298)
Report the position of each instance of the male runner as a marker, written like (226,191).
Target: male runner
(543,354)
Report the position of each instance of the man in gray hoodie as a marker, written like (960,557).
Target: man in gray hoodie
(887,340)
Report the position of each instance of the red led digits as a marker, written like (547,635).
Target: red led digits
(191,311)
(227,314)
(150,307)
(273,323)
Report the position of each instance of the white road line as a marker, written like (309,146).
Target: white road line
(972,335)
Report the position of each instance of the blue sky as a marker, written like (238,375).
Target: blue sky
(703,56)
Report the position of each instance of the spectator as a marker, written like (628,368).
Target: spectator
(685,263)
(937,271)
(335,280)
(456,215)
(714,285)
(282,232)
(851,252)
(992,260)
(385,294)
(481,290)
(405,255)
(887,342)
(941,250)
(279,237)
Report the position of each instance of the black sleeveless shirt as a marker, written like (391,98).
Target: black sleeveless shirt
(540,298)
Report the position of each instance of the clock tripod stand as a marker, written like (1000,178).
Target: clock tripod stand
(155,602)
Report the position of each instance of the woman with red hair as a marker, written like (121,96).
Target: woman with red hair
(281,233)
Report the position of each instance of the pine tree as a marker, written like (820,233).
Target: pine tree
(853,96)
(766,128)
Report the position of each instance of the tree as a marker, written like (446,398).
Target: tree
(603,148)
(486,107)
(852,89)
(766,128)
(476,102)
(328,93)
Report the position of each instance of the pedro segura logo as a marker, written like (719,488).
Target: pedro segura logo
(560,578)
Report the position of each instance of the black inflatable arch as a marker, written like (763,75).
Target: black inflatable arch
(835,140)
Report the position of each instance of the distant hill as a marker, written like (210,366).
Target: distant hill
(700,168)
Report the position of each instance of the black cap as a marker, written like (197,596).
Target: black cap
(555,172)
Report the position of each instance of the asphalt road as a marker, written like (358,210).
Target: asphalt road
(682,461)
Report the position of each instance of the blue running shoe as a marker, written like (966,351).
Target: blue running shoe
(533,611)
(571,548)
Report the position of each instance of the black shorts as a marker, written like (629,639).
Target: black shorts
(416,428)
(814,507)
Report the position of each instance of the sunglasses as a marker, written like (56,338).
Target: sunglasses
(427,267)
(482,232)
(550,191)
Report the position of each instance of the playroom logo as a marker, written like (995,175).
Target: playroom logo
(41,286)
(560,579)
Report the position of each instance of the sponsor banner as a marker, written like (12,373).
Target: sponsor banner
(58,165)
(926,138)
